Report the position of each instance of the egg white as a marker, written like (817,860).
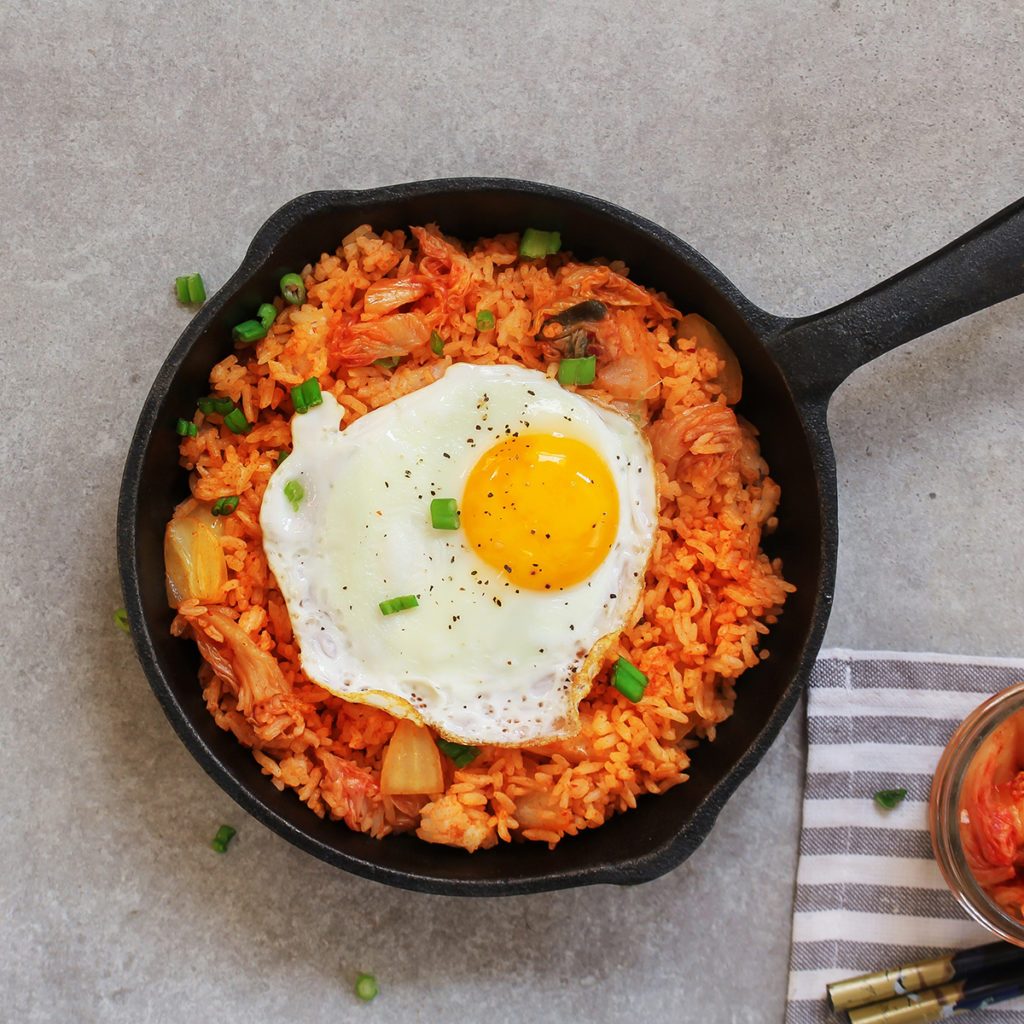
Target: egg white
(479,659)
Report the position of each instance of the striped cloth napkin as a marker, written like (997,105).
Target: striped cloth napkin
(869,894)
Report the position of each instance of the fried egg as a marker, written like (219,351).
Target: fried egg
(515,607)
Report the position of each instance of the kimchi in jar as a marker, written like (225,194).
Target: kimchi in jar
(977,814)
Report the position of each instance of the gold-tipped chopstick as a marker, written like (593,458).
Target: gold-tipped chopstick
(922,974)
(934,1004)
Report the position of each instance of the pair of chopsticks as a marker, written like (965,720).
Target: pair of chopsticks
(931,990)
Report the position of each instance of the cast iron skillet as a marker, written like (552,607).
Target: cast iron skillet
(790,367)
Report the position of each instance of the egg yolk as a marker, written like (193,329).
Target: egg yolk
(542,509)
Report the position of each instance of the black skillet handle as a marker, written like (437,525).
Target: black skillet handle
(983,267)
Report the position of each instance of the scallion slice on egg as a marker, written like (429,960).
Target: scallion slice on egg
(294,492)
(398,604)
(628,680)
(577,371)
(459,753)
(444,514)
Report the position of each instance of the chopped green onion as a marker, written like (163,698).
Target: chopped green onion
(121,619)
(436,343)
(212,404)
(293,290)
(190,289)
(312,393)
(887,799)
(225,506)
(535,244)
(248,331)
(367,987)
(628,680)
(236,422)
(307,395)
(282,455)
(389,363)
(485,320)
(186,428)
(398,604)
(294,492)
(266,315)
(458,752)
(224,836)
(444,514)
(577,371)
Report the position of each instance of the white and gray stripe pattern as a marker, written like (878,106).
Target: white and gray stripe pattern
(869,894)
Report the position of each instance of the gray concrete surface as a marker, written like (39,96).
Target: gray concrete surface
(807,148)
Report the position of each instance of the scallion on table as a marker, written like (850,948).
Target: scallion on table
(367,987)
(190,289)
(887,799)
(224,836)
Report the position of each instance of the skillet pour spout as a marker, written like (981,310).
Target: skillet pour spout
(790,367)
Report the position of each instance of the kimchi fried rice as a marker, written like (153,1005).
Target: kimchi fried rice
(711,593)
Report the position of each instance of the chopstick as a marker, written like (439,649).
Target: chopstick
(947,1000)
(923,974)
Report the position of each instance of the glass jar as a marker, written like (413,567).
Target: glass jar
(944,812)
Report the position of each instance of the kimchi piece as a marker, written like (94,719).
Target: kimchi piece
(992,815)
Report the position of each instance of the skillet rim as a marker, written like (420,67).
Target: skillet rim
(633,869)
